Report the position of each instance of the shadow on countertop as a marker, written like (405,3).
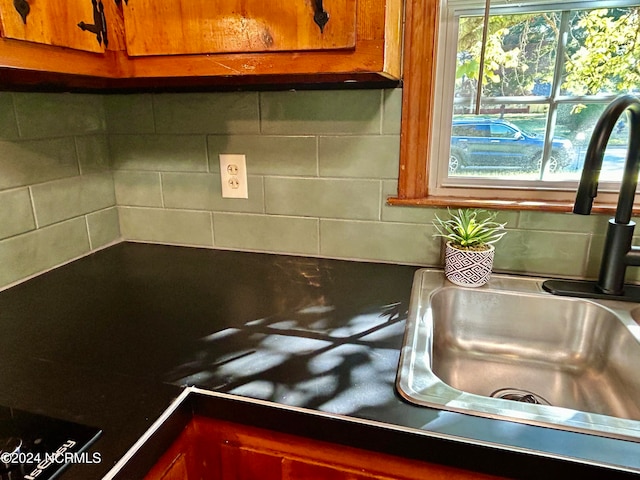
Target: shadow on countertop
(107,340)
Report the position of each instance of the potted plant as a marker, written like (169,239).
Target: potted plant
(470,235)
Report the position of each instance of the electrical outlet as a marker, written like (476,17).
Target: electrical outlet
(233,176)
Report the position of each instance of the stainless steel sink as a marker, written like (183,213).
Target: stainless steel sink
(509,350)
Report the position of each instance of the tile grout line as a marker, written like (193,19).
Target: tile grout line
(75,149)
(381,111)
(259,96)
(153,113)
(86,222)
(15,115)
(33,207)
(161,190)
(317,137)
(380,199)
(207,158)
(585,260)
(319,233)
(213,234)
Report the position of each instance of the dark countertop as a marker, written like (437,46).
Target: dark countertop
(109,339)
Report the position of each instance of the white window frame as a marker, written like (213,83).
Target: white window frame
(440,184)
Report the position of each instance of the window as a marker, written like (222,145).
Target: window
(550,70)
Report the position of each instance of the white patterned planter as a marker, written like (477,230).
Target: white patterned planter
(468,268)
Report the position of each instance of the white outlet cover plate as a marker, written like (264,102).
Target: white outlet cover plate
(233,176)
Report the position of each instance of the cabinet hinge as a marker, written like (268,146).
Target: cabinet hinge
(23,8)
(320,16)
(99,25)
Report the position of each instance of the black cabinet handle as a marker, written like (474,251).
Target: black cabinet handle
(23,8)
(319,15)
(99,25)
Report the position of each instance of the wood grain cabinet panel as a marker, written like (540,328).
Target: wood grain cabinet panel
(242,463)
(176,470)
(308,470)
(175,27)
(192,43)
(278,40)
(220,450)
(53,23)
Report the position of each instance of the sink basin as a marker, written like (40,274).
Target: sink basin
(509,350)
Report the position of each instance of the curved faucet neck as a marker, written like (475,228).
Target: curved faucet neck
(588,187)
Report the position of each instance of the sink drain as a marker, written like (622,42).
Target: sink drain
(518,395)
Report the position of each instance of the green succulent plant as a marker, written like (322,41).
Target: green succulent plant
(470,229)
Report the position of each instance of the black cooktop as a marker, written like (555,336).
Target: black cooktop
(34,446)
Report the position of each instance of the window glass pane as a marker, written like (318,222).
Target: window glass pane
(603,52)
(506,141)
(519,58)
(576,123)
(468,60)
(510,145)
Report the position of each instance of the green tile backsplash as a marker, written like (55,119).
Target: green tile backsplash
(46,115)
(322,197)
(103,227)
(202,191)
(270,154)
(180,227)
(138,189)
(94,169)
(390,242)
(71,197)
(206,113)
(359,156)
(8,124)
(29,162)
(16,214)
(345,112)
(93,153)
(57,199)
(266,232)
(543,252)
(392,111)
(38,250)
(129,113)
(164,153)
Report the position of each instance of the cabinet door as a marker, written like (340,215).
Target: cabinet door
(166,27)
(55,22)
(174,470)
(243,463)
(239,463)
(220,450)
(295,469)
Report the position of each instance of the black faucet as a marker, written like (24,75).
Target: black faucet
(618,252)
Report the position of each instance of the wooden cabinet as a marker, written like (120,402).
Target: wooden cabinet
(50,49)
(237,26)
(77,24)
(220,450)
(174,43)
(252,41)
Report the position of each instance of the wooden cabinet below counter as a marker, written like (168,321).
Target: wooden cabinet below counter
(216,449)
(175,43)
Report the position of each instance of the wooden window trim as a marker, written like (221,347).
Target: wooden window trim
(420,47)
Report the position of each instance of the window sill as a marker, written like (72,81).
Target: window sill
(491,204)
